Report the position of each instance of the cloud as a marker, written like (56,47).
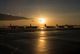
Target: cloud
(10,17)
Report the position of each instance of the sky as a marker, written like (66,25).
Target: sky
(56,11)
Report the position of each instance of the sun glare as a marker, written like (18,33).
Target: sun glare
(42,20)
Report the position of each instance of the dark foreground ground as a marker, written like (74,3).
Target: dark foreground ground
(41,42)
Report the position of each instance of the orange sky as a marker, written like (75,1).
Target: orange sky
(49,21)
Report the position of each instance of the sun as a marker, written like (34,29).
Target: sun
(42,20)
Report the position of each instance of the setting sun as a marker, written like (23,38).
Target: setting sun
(42,20)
